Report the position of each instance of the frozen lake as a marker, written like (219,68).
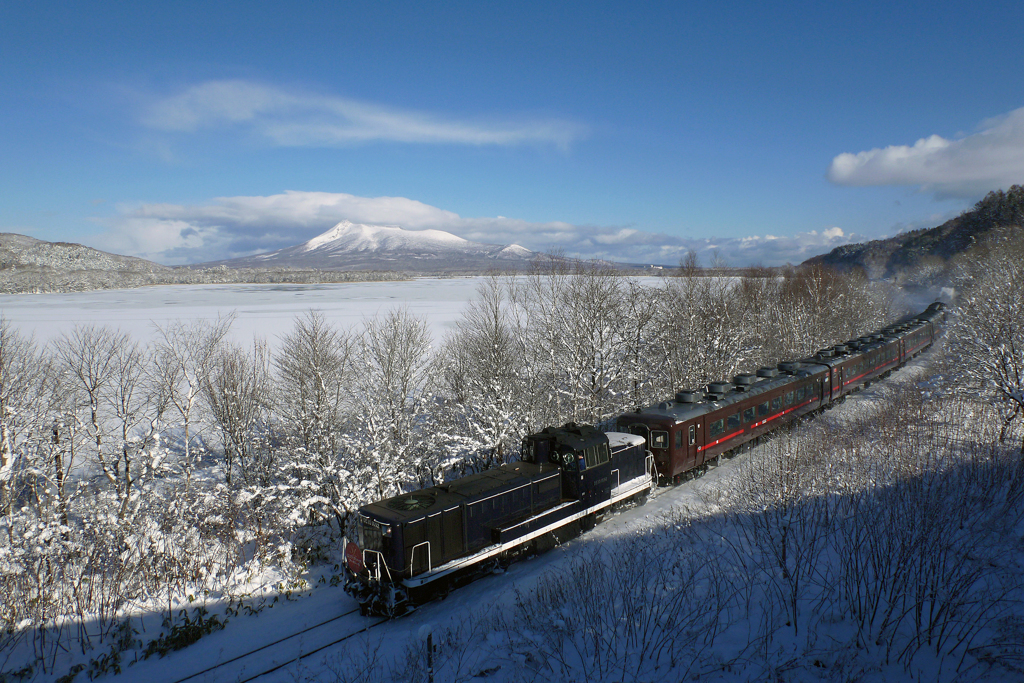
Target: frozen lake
(264,310)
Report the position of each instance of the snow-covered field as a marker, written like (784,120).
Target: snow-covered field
(262,310)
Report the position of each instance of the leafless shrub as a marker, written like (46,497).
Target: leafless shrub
(621,612)
(786,519)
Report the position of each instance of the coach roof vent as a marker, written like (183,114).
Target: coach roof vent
(826,353)
(744,381)
(789,368)
(717,390)
(767,372)
(840,349)
(688,397)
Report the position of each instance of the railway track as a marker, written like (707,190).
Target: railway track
(240,671)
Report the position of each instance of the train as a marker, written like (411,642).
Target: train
(417,546)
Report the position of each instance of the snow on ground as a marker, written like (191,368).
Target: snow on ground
(267,311)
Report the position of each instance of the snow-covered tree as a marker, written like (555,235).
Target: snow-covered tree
(481,367)
(238,392)
(185,354)
(701,337)
(313,369)
(391,396)
(138,405)
(987,337)
(20,372)
(91,359)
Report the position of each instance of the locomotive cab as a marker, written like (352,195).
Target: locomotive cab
(581,452)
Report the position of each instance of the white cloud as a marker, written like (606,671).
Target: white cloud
(229,227)
(301,119)
(989,159)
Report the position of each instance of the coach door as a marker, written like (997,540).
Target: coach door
(691,436)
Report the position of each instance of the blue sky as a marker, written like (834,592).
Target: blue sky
(185,132)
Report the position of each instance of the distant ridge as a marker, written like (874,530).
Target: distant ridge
(929,257)
(24,252)
(357,246)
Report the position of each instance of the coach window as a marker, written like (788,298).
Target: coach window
(776,404)
(748,414)
(693,435)
(762,409)
(717,427)
(789,398)
(734,421)
(659,439)
(679,439)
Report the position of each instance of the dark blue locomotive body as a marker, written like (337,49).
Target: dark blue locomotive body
(415,545)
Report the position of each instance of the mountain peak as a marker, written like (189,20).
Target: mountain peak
(347,236)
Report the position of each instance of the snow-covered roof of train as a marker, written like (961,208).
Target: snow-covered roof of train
(623,440)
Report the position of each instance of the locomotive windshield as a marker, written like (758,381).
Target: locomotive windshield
(568,458)
(371,534)
(536,450)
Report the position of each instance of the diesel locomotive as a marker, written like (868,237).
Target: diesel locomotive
(415,546)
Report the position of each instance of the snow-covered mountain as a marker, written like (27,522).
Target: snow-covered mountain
(351,246)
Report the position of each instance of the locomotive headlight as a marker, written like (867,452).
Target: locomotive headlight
(386,530)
